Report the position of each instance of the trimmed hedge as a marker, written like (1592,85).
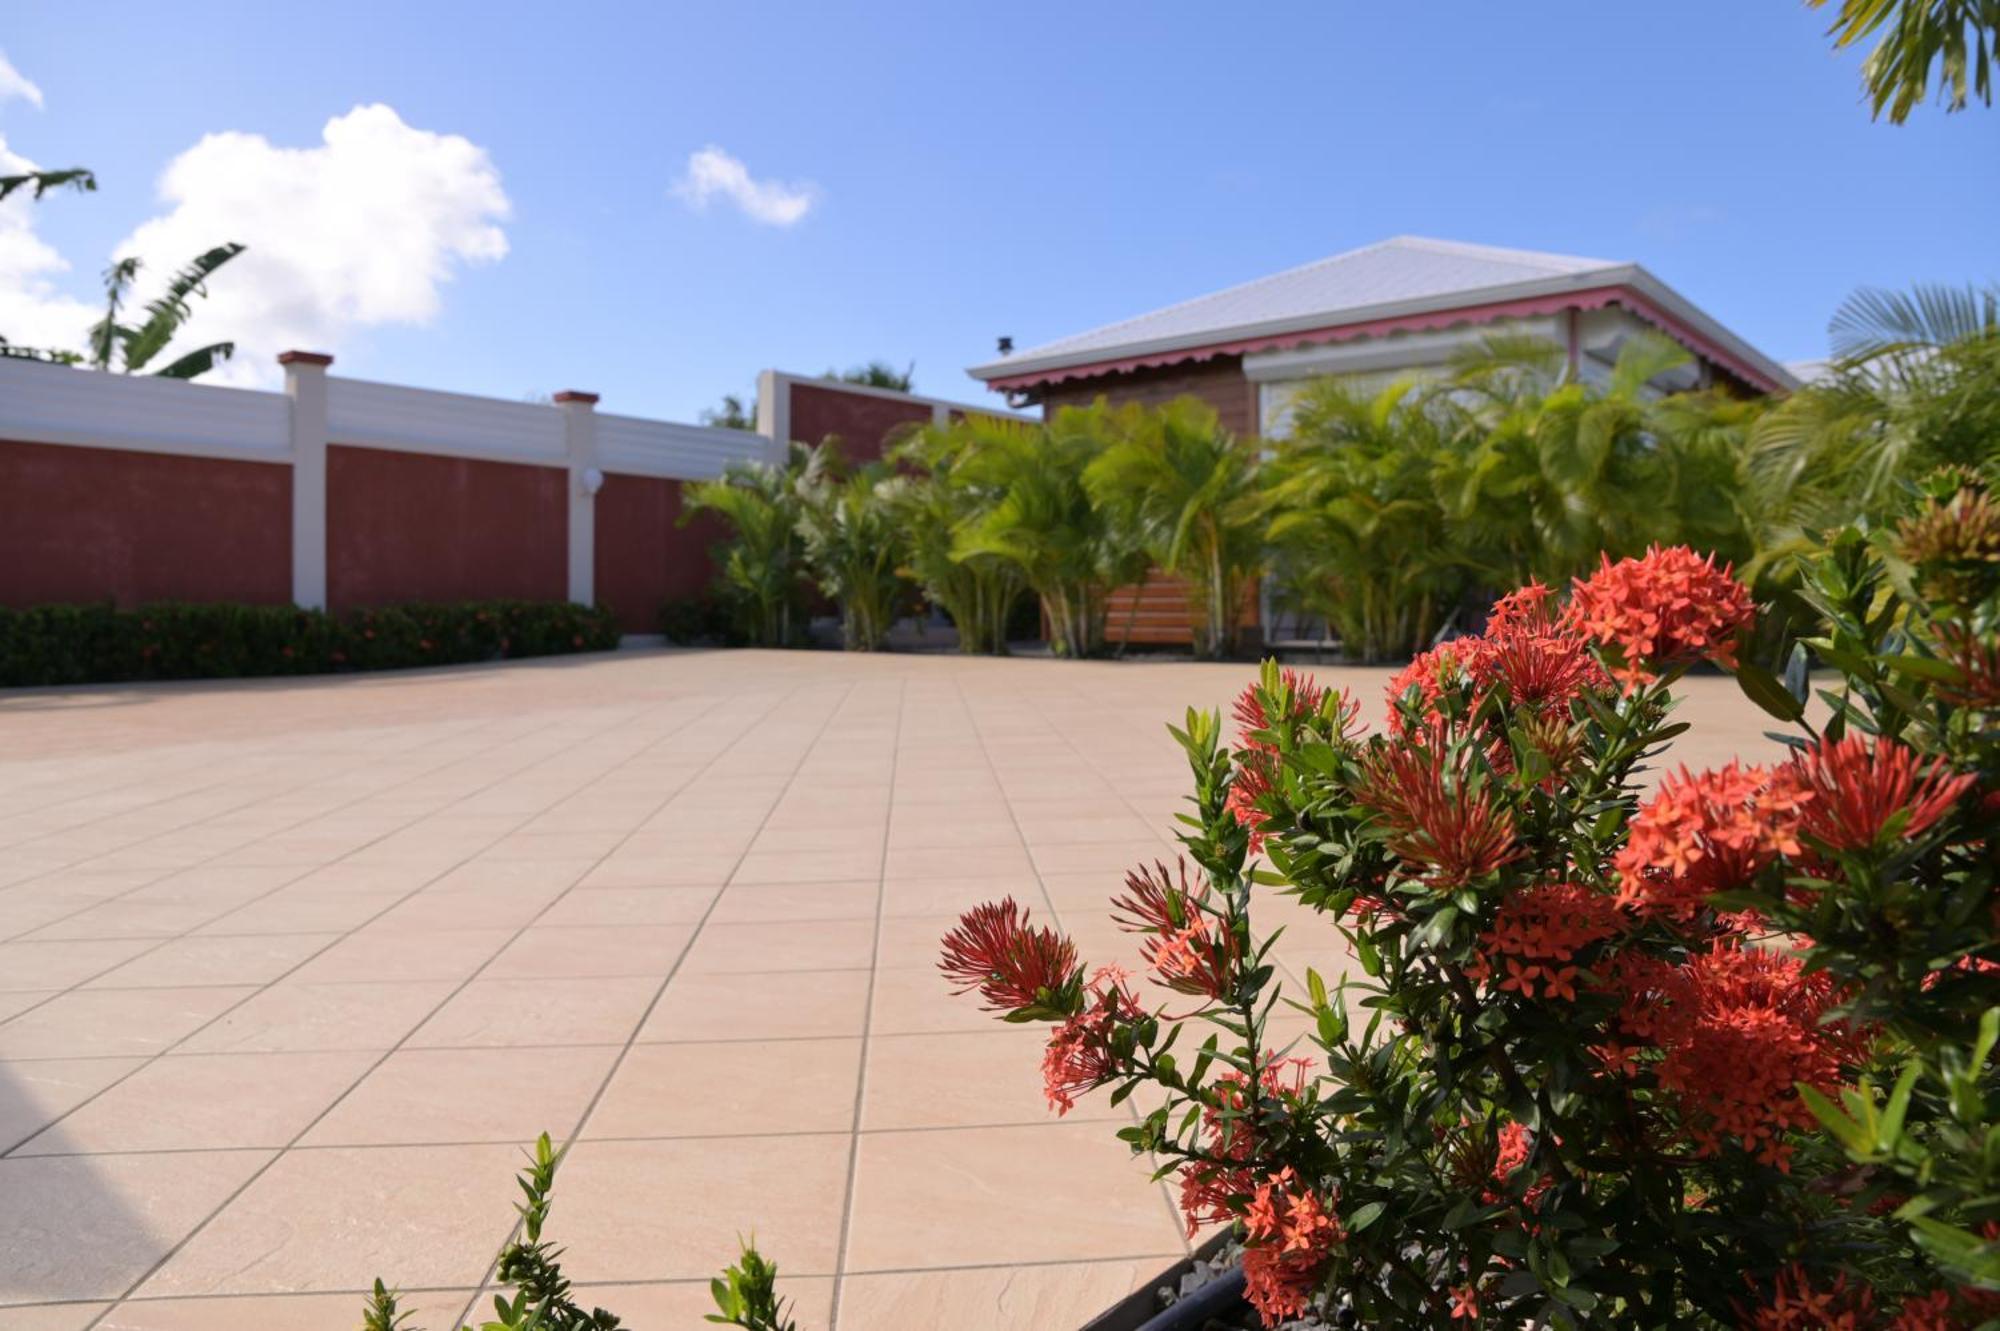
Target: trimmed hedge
(97,644)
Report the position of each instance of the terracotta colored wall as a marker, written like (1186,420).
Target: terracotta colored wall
(861,421)
(1218,382)
(644,557)
(417,527)
(87,524)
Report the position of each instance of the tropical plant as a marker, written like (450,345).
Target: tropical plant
(932,503)
(853,545)
(1355,519)
(759,569)
(1613,1058)
(133,346)
(733,414)
(39,183)
(876,374)
(1959,37)
(1190,491)
(1042,520)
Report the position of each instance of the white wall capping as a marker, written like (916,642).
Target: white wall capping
(57,404)
(774,413)
(306,396)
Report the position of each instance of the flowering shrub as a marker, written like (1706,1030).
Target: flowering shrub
(1713,1055)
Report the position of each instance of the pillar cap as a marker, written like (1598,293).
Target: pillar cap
(319,358)
(572,395)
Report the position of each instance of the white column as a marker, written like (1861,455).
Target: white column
(305,387)
(580,442)
(774,414)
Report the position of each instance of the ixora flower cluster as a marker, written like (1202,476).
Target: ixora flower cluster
(1710,1051)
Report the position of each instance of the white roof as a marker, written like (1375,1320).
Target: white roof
(1401,275)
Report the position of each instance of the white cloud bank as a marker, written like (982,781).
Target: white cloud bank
(361,231)
(713,173)
(13,84)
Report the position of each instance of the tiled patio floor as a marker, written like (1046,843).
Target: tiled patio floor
(292,971)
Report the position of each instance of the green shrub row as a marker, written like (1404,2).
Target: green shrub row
(94,644)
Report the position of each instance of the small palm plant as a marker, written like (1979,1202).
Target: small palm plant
(1189,490)
(134,346)
(851,542)
(761,566)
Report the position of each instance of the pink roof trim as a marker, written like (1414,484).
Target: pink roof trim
(1595,298)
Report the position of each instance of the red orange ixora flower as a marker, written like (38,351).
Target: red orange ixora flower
(1080,1056)
(1438,815)
(1860,790)
(995,951)
(1667,607)
(1706,833)
(1537,934)
(1291,1233)
(1191,950)
(1257,759)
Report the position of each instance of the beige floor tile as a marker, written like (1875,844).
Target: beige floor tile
(417,1216)
(243,959)
(1006,1298)
(750,903)
(599,1010)
(727,1089)
(659,1210)
(832,864)
(502,908)
(784,946)
(297,1017)
(777,1006)
(300,910)
(630,905)
(917,1000)
(951,894)
(569,952)
(61,963)
(969,1079)
(278,1312)
(53,1317)
(686,867)
(36,1093)
(133,1208)
(385,952)
(206,1102)
(109,1022)
(960,1197)
(466,1095)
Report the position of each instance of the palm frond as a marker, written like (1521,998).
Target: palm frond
(197,363)
(77,178)
(1873,322)
(170,310)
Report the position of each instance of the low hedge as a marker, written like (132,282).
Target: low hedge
(96,644)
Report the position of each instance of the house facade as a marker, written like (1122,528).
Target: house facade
(1401,306)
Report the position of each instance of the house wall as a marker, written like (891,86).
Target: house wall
(96,524)
(1218,382)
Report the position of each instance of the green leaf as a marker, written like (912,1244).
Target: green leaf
(1856,1138)
(1364,1216)
(1769,692)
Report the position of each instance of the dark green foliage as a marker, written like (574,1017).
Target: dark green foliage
(700,620)
(100,644)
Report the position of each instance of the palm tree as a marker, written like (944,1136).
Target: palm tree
(1190,492)
(41,182)
(1042,520)
(876,374)
(135,345)
(733,414)
(933,501)
(1958,35)
(760,568)
(852,545)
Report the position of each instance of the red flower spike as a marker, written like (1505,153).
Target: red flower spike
(1257,760)
(1190,950)
(1668,607)
(1079,1057)
(1858,788)
(994,951)
(1436,822)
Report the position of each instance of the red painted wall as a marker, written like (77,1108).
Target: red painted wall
(417,527)
(861,421)
(644,557)
(86,524)
(1218,382)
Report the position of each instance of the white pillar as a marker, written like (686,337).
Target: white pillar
(580,442)
(774,414)
(305,388)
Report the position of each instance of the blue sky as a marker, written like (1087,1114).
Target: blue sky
(1030,169)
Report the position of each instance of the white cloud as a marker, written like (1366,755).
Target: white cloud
(13,83)
(361,231)
(34,310)
(713,173)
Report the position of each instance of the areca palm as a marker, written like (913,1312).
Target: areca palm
(760,567)
(933,501)
(1189,491)
(852,545)
(134,346)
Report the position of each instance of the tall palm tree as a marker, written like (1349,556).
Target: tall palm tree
(1960,36)
(134,346)
(852,545)
(1190,492)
